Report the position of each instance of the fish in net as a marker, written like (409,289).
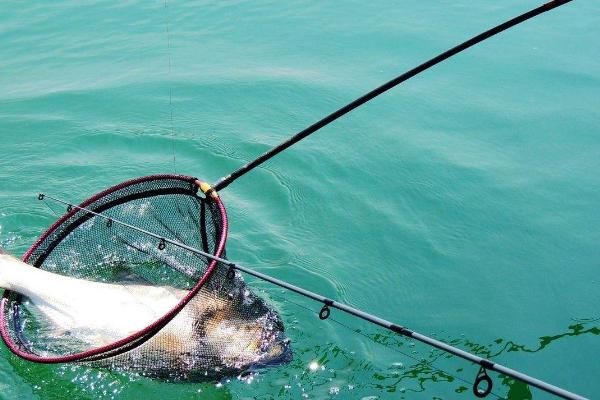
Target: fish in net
(182,280)
(99,292)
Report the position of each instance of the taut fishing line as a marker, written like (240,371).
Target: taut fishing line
(171,121)
(158,243)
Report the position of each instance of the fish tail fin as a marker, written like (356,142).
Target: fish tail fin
(9,270)
(3,277)
(4,274)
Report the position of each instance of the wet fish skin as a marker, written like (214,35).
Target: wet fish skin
(212,336)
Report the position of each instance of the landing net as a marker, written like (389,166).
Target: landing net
(215,324)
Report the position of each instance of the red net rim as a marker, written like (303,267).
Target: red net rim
(4,332)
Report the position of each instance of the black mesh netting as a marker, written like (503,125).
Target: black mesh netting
(224,329)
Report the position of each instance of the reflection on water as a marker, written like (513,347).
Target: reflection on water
(427,370)
(577,329)
(332,368)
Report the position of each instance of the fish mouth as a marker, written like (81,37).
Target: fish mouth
(275,350)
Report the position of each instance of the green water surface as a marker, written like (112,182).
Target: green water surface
(463,204)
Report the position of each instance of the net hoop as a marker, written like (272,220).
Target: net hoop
(152,328)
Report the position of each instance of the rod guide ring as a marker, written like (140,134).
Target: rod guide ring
(324,313)
(482,376)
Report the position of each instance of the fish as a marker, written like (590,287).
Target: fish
(214,336)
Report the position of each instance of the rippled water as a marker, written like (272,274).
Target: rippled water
(463,205)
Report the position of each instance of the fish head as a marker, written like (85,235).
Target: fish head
(243,332)
(220,333)
(248,344)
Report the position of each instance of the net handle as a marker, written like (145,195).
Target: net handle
(227,180)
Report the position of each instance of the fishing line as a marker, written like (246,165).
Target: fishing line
(173,135)
(328,304)
(50,208)
(395,349)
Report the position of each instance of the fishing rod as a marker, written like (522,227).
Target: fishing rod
(227,180)
(482,385)
(481,378)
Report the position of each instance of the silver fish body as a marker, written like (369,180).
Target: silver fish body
(224,330)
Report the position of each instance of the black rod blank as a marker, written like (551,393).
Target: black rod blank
(486,364)
(226,180)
